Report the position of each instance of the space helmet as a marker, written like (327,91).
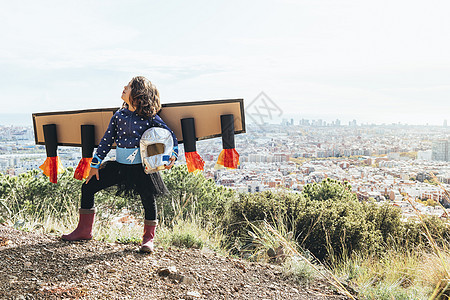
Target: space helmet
(156,148)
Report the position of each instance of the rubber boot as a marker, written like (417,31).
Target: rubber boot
(149,234)
(84,228)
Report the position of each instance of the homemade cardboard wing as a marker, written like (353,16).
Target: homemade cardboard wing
(190,121)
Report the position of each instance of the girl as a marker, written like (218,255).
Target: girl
(138,113)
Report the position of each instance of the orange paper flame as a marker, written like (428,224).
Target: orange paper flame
(82,170)
(229,158)
(51,167)
(194,162)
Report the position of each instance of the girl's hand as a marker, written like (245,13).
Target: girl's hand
(92,172)
(171,162)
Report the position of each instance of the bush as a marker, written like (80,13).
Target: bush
(386,219)
(330,229)
(273,207)
(326,218)
(412,233)
(328,189)
(32,194)
(192,195)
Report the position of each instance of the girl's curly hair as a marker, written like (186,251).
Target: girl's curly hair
(144,97)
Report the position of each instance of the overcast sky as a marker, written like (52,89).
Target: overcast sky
(374,61)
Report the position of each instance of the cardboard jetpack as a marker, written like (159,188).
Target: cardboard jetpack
(190,121)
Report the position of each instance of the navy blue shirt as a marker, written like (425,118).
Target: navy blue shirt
(126,129)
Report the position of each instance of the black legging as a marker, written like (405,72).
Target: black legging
(112,174)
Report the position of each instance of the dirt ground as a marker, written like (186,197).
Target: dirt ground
(35,266)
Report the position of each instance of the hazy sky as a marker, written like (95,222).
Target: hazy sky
(374,61)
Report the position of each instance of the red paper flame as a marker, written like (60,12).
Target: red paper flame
(194,162)
(82,170)
(51,167)
(229,158)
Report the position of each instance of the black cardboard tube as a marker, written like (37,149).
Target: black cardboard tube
(188,131)
(51,143)
(87,140)
(227,125)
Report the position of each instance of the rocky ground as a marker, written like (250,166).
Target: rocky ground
(34,266)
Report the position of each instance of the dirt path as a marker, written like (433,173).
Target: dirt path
(34,266)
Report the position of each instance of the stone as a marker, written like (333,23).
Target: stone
(188,280)
(193,294)
(271,252)
(164,272)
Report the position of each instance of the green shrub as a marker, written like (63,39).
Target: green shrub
(328,189)
(326,218)
(386,219)
(334,222)
(273,207)
(32,195)
(412,233)
(192,195)
(330,229)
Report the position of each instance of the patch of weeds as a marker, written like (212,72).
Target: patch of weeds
(383,291)
(128,240)
(186,240)
(103,231)
(299,270)
(190,234)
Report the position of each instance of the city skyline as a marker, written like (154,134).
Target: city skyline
(379,62)
(15,119)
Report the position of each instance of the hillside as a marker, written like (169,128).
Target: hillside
(34,266)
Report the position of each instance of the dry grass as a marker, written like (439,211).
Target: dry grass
(439,262)
(398,272)
(266,237)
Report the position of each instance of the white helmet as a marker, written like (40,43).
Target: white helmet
(156,148)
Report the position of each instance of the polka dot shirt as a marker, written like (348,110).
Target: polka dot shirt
(126,129)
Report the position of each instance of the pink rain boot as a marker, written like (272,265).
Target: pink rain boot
(149,234)
(84,228)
